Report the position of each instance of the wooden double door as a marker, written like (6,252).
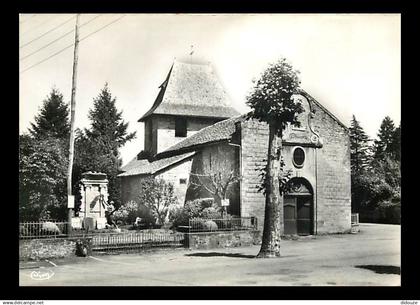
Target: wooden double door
(298,215)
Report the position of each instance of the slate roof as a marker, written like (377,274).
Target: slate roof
(220,131)
(145,167)
(192,90)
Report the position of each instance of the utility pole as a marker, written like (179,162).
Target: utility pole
(72,112)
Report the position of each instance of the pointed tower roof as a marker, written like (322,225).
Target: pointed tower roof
(192,90)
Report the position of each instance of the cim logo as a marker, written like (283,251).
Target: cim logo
(42,275)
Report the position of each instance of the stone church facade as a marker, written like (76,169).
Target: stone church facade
(220,140)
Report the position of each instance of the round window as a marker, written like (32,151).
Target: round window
(298,157)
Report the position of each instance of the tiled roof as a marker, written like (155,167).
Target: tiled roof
(217,132)
(192,90)
(145,167)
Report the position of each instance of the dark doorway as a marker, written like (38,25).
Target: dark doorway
(298,209)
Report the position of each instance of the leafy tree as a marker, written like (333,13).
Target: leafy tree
(42,178)
(359,147)
(370,190)
(97,148)
(272,102)
(376,183)
(158,196)
(53,118)
(43,162)
(383,145)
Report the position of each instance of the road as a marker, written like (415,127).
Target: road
(329,260)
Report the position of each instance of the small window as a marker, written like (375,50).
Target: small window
(180,127)
(183,181)
(298,156)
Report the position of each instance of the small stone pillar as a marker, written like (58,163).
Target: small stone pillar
(94,197)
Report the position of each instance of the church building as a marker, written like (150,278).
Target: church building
(192,131)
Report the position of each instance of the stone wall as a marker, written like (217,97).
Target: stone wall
(178,175)
(163,131)
(333,175)
(211,240)
(327,169)
(38,249)
(221,159)
(175,175)
(130,188)
(254,147)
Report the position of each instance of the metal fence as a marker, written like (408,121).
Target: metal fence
(355,218)
(222,224)
(46,229)
(136,241)
(102,241)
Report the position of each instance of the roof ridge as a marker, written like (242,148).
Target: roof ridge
(197,134)
(311,98)
(192,89)
(208,64)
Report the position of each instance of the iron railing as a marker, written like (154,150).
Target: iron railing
(102,241)
(222,224)
(355,218)
(45,229)
(135,241)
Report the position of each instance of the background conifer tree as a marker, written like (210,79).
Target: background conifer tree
(97,148)
(359,147)
(53,118)
(383,145)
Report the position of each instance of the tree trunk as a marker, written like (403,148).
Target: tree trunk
(270,246)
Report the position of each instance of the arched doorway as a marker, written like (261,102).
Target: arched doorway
(298,208)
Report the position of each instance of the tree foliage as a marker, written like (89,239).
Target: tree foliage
(158,196)
(375,181)
(271,101)
(383,145)
(43,162)
(42,178)
(359,147)
(271,98)
(97,148)
(53,118)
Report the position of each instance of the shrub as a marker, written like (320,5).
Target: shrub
(211,212)
(128,213)
(196,207)
(178,216)
(158,195)
(50,228)
(209,225)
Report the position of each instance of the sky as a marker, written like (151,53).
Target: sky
(350,63)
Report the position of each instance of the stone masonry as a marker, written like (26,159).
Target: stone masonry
(327,169)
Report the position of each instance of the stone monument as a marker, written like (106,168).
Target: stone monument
(94,199)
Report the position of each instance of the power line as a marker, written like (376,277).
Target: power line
(69,46)
(55,40)
(58,26)
(37,26)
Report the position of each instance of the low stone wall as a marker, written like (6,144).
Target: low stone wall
(231,239)
(38,249)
